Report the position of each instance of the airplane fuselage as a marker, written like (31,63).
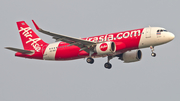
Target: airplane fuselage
(125,41)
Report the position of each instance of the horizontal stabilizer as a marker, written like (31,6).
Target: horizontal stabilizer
(20,50)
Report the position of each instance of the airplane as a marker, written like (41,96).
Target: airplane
(125,45)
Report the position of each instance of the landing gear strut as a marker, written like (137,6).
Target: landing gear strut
(107,64)
(152,50)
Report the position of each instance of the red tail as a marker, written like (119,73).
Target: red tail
(29,38)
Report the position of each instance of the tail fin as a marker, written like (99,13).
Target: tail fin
(30,39)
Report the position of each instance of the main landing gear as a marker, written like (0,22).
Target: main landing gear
(152,50)
(90,60)
(107,64)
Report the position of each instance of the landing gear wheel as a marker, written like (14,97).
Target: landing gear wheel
(152,50)
(153,54)
(107,65)
(90,60)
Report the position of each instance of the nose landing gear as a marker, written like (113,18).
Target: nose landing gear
(152,50)
(153,54)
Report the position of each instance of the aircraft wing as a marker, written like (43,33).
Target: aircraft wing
(83,44)
(19,50)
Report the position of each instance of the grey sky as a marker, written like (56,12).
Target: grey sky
(151,79)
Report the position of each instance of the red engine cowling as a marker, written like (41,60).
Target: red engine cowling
(105,48)
(132,56)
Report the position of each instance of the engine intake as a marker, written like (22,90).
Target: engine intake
(105,48)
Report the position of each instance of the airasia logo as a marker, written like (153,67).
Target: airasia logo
(103,47)
(27,33)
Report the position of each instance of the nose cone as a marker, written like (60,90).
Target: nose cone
(171,36)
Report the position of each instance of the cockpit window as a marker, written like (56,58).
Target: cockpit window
(162,30)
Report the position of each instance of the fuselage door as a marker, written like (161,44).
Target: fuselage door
(148,32)
(44,52)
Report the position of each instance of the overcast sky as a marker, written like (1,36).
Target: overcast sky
(151,79)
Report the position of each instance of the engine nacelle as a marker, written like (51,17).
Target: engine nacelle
(132,56)
(105,48)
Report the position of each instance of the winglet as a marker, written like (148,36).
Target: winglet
(35,25)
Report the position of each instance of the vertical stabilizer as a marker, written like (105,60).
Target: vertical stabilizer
(30,39)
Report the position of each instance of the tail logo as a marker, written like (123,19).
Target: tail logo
(27,33)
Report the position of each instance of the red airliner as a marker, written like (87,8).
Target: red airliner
(124,45)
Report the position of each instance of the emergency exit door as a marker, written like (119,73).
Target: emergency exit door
(148,32)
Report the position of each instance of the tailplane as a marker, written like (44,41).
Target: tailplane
(20,50)
(30,40)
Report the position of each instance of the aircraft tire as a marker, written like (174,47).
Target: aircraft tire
(153,54)
(90,60)
(108,65)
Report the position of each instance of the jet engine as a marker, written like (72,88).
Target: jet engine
(132,56)
(105,48)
